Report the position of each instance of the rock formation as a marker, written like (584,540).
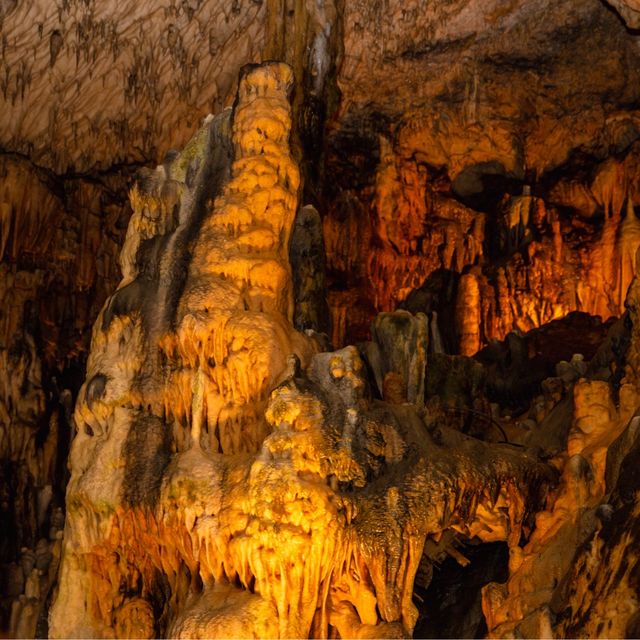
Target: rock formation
(177,450)
(360,360)
(550,265)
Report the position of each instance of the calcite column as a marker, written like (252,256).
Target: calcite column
(183,356)
(234,320)
(468,315)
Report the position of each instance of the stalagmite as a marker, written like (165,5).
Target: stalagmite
(226,337)
(468,314)
(252,525)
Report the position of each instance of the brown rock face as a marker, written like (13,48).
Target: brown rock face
(94,83)
(629,10)
(365,355)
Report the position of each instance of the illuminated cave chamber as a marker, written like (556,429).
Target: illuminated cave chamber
(365,356)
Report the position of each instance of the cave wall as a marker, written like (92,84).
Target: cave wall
(450,112)
(61,236)
(534,254)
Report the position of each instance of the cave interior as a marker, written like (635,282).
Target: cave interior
(319,319)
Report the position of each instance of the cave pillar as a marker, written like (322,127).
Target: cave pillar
(468,314)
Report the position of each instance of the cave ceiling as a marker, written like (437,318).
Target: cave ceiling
(515,86)
(520,84)
(88,84)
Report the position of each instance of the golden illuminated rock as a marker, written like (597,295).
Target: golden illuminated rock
(372,367)
(418,232)
(550,574)
(283,510)
(224,341)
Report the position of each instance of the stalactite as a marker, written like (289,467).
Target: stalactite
(416,231)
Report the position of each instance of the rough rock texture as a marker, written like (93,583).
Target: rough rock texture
(449,112)
(91,84)
(629,10)
(190,515)
(575,576)
(474,163)
(464,84)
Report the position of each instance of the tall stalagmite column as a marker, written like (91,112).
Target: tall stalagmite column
(186,351)
(227,481)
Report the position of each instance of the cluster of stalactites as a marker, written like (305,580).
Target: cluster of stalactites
(423,229)
(415,231)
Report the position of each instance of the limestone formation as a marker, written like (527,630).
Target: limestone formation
(197,509)
(417,230)
(319,319)
(187,349)
(569,579)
